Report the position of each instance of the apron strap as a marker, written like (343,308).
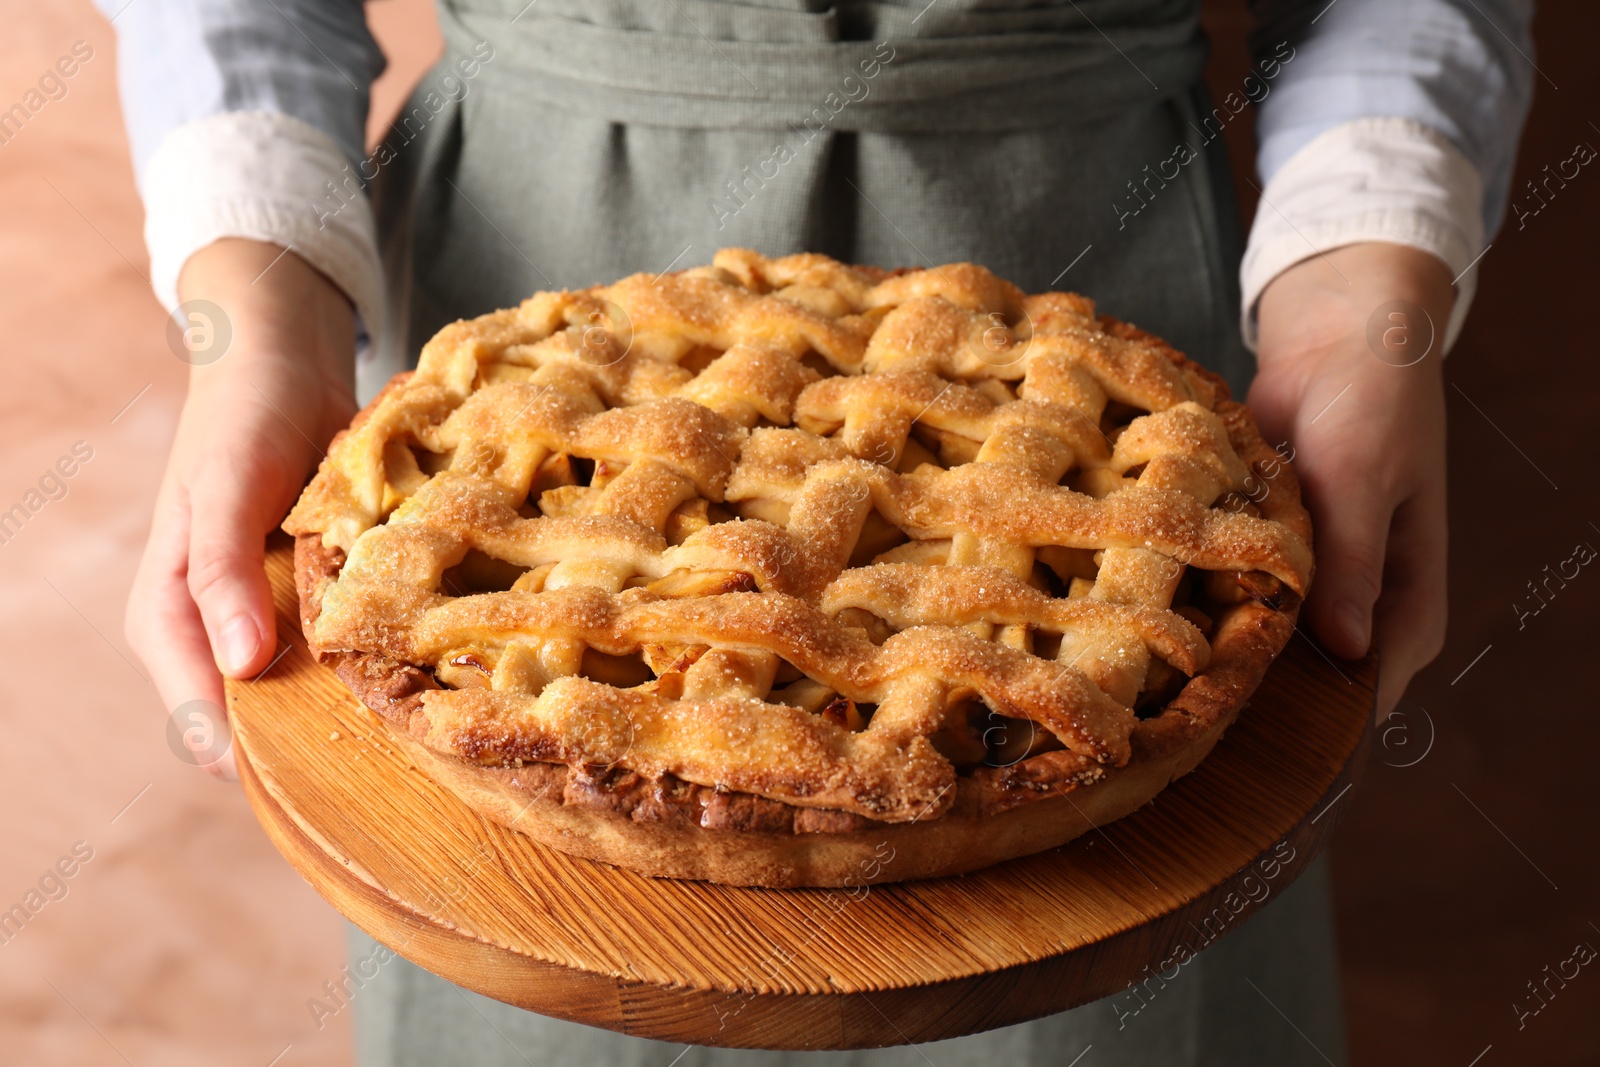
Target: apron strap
(652,64)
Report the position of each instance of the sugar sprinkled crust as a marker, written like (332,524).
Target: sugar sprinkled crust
(732,573)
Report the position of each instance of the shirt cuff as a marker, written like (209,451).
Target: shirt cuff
(265,176)
(1369,179)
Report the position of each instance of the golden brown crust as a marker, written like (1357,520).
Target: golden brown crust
(745,853)
(1249,638)
(636,776)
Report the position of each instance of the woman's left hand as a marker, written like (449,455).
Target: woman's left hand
(1367,424)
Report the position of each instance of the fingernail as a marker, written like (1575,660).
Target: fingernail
(224,769)
(237,644)
(1353,621)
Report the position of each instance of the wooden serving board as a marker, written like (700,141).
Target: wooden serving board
(794,969)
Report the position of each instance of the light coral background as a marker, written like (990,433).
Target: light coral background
(188,940)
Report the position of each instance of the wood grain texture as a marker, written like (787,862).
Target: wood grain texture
(798,969)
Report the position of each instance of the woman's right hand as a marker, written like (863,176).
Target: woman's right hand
(254,425)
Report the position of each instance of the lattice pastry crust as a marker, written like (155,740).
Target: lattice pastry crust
(789,572)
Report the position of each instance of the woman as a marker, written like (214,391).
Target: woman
(1064,145)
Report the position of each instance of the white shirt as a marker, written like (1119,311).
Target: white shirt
(1391,120)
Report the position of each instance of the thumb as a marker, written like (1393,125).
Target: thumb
(1352,532)
(1410,620)
(226,575)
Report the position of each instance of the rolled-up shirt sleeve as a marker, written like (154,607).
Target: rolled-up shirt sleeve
(246,119)
(1394,120)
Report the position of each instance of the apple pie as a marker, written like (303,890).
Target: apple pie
(787,572)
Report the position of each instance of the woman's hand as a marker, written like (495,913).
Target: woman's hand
(1367,423)
(253,426)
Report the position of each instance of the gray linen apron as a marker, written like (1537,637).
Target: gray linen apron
(561,143)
